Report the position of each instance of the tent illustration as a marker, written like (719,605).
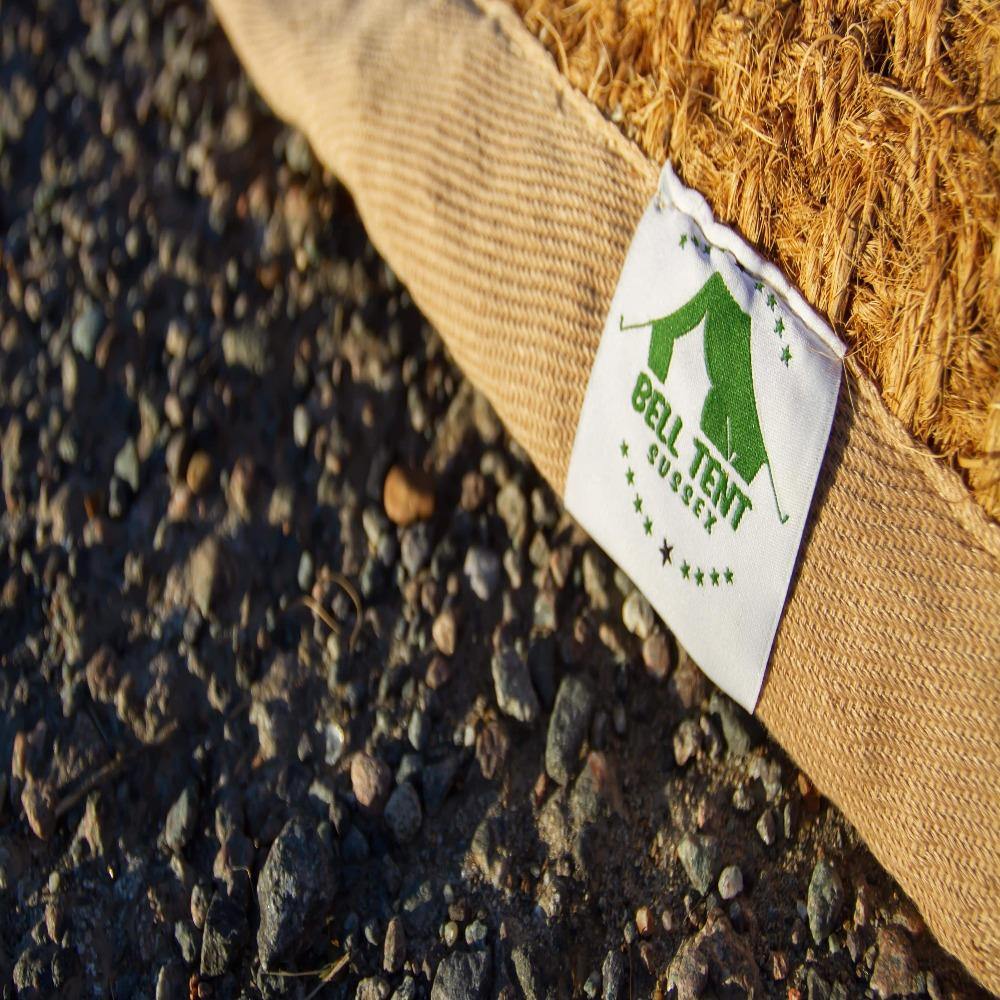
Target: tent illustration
(729,417)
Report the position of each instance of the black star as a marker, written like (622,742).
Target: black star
(665,551)
(624,449)
(630,477)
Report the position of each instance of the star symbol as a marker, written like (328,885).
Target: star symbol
(758,286)
(637,503)
(684,239)
(630,477)
(647,526)
(771,300)
(624,449)
(715,577)
(779,326)
(786,355)
(729,575)
(665,551)
(685,569)
(699,578)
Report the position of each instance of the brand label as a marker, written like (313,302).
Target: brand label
(702,432)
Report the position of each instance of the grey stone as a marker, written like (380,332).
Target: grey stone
(482,567)
(896,972)
(742,733)
(407,989)
(205,573)
(767,827)
(372,988)
(512,682)
(181,820)
(527,973)
(688,739)
(418,730)
(769,772)
(568,728)
(294,891)
(436,781)
(248,348)
(513,509)
(699,854)
(825,900)
(87,329)
(415,547)
(187,939)
(730,882)
(487,850)
(394,946)
(403,813)
(463,975)
(718,956)
(127,464)
(223,937)
(475,934)
(614,972)
(421,908)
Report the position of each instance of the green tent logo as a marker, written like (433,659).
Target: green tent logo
(729,417)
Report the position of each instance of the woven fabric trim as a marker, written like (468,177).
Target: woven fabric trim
(506,203)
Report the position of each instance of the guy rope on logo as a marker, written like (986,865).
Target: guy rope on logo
(729,419)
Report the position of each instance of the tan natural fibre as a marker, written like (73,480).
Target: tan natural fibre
(857,143)
(506,203)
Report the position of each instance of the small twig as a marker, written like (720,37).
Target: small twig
(326,973)
(109,770)
(327,619)
(355,597)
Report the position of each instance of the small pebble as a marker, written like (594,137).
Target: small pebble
(403,813)
(638,615)
(730,882)
(407,495)
(371,781)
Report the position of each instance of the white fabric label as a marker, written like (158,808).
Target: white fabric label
(702,432)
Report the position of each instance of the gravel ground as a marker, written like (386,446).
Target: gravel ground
(309,686)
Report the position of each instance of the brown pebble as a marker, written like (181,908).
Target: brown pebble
(644,921)
(54,920)
(444,632)
(371,781)
(810,796)
(473,491)
(394,950)
(199,472)
(492,746)
(438,673)
(779,966)
(541,786)
(649,957)
(688,683)
(408,495)
(39,801)
(656,655)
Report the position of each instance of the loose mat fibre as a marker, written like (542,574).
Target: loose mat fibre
(506,203)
